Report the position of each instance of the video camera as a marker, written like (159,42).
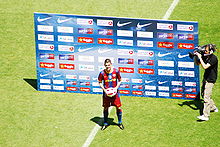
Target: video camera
(201,50)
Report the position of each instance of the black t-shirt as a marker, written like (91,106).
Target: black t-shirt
(211,73)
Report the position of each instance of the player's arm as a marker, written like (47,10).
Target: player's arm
(118,84)
(204,65)
(102,86)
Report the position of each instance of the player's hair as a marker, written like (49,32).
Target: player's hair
(107,61)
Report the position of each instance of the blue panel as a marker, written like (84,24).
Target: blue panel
(152,55)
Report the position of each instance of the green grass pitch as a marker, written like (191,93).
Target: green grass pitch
(29,118)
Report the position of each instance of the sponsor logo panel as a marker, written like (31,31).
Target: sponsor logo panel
(71,88)
(125,33)
(185,36)
(45,37)
(65,48)
(142,34)
(67,66)
(46,87)
(142,43)
(137,92)
(107,23)
(165,63)
(181,27)
(145,62)
(49,47)
(47,65)
(165,44)
(185,46)
(145,71)
(191,96)
(124,91)
(45,28)
(164,94)
(105,32)
(85,40)
(66,57)
(64,29)
(164,26)
(165,35)
(58,87)
(177,95)
(126,70)
(86,58)
(124,42)
(46,56)
(86,67)
(85,30)
(65,38)
(85,89)
(105,41)
(164,72)
(150,93)
(83,21)
(186,73)
(125,61)
(193,84)
(125,52)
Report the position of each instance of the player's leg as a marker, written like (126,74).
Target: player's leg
(105,114)
(119,114)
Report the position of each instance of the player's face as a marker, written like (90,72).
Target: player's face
(108,66)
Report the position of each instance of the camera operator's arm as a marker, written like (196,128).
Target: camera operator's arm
(196,60)
(204,65)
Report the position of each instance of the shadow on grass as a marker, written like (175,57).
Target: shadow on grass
(194,104)
(99,121)
(32,82)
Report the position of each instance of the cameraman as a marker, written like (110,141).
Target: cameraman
(210,63)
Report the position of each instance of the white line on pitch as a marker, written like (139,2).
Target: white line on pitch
(170,10)
(93,133)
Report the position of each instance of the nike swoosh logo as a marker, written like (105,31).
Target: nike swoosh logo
(63,20)
(43,19)
(182,56)
(162,55)
(104,51)
(85,49)
(56,76)
(95,79)
(162,82)
(144,25)
(122,24)
(43,75)
(147,82)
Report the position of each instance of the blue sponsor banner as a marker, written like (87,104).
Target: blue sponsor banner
(151,55)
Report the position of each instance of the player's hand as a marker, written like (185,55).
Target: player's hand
(199,55)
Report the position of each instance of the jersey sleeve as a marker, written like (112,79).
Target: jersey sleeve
(118,75)
(100,77)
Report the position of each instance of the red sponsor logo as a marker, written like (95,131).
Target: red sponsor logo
(185,46)
(145,71)
(165,44)
(71,88)
(124,91)
(177,95)
(85,40)
(84,89)
(105,41)
(191,96)
(47,65)
(137,92)
(126,70)
(66,66)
